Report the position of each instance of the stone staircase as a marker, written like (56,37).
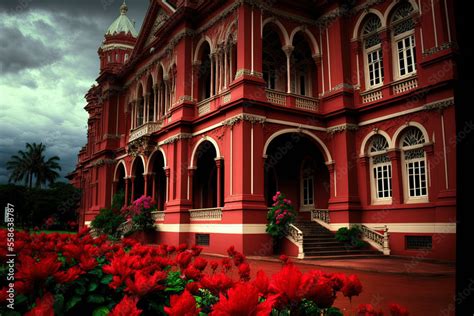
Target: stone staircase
(320,242)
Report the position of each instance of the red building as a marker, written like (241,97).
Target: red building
(345,106)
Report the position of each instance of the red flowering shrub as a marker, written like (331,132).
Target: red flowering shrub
(77,274)
(280,216)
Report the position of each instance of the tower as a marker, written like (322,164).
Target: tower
(118,43)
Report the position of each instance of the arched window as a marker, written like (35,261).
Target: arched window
(403,32)
(204,74)
(415,169)
(274,60)
(373,52)
(140,108)
(126,57)
(303,67)
(381,170)
(307,184)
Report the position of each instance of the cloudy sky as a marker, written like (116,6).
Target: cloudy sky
(48,61)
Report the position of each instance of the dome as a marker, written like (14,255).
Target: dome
(122,24)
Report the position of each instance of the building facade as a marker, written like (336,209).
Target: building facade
(346,107)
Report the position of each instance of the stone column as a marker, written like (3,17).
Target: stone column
(288,50)
(191,172)
(219,180)
(167,173)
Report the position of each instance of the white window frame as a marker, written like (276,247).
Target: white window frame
(396,60)
(376,200)
(406,178)
(368,51)
(306,207)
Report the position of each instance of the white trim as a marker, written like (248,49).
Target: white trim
(251,160)
(121,162)
(305,126)
(434,24)
(335,182)
(87,223)
(198,47)
(205,138)
(251,43)
(286,38)
(421,40)
(368,136)
(322,63)
(396,141)
(115,46)
(169,6)
(355,34)
(390,116)
(395,57)
(213,228)
(358,70)
(329,59)
(388,10)
(369,51)
(374,196)
(314,44)
(447,20)
(407,228)
(159,149)
(133,162)
(231,171)
(295,130)
(444,152)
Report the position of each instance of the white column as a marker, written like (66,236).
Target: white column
(211,56)
(288,50)
(132,110)
(155,103)
(225,67)
(218,72)
(231,61)
(166,96)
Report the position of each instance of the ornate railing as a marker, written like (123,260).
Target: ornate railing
(276,97)
(206,214)
(306,103)
(320,214)
(158,215)
(204,107)
(296,236)
(125,228)
(145,129)
(371,96)
(406,85)
(376,239)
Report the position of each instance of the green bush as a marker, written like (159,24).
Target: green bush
(352,236)
(108,220)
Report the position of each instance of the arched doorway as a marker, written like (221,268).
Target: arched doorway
(296,167)
(207,185)
(157,185)
(138,180)
(119,181)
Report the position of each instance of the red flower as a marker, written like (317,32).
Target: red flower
(144,283)
(170,249)
(30,270)
(243,299)
(183,259)
(286,283)
(368,310)
(193,287)
(87,262)
(182,305)
(200,263)
(337,280)
(218,282)
(261,282)
(238,259)
(214,265)
(244,271)
(126,307)
(191,273)
(284,259)
(231,251)
(318,290)
(44,306)
(68,276)
(226,264)
(196,250)
(352,286)
(397,310)
(182,247)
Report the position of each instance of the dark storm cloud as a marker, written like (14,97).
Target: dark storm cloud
(19,51)
(48,60)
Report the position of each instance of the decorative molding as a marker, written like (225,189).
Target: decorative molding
(101,162)
(341,128)
(143,145)
(342,85)
(185,98)
(244,117)
(176,138)
(247,72)
(434,50)
(439,105)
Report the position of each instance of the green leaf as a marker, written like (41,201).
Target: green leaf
(72,302)
(80,290)
(19,299)
(92,286)
(107,279)
(58,304)
(101,311)
(97,299)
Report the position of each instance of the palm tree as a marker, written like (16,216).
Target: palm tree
(31,163)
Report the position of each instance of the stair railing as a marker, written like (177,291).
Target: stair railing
(380,241)
(295,235)
(321,216)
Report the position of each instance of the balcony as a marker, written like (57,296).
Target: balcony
(292,100)
(144,130)
(206,214)
(404,85)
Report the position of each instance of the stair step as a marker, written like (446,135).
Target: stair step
(338,252)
